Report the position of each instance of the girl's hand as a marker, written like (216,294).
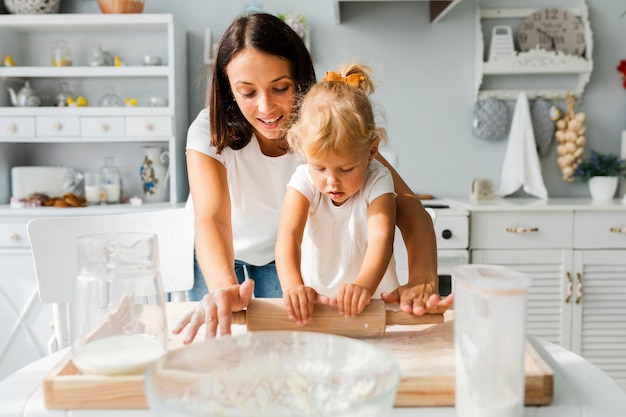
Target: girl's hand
(351,299)
(300,301)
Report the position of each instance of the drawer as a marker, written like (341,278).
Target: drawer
(13,235)
(17,127)
(149,126)
(102,126)
(521,230)
(51,126)
(600,230)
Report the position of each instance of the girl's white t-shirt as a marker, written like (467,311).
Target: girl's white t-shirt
(335,238)
(257,185)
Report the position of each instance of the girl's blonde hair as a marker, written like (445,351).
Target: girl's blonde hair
(337,116)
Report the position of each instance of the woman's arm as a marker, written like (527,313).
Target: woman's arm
(214,249)
(421,293)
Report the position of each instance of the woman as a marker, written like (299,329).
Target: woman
(238,165)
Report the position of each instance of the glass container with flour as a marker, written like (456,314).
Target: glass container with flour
(118,323)
(489,340)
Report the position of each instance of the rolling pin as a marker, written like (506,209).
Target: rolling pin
(270,314)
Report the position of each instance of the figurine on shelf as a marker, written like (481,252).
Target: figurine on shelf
(117,61)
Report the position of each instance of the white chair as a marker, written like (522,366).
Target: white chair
(53,243)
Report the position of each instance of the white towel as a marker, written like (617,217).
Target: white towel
(521,162)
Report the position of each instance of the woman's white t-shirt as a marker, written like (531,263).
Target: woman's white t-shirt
(335,237)
(257,188)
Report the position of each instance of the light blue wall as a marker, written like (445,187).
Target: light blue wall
(426,78)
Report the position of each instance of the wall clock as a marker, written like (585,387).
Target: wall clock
(552,30)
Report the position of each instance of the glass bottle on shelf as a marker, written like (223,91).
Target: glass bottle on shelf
(63,95)
(111,181)
(61,55)
(110,99)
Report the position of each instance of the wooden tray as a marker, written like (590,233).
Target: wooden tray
(424,353)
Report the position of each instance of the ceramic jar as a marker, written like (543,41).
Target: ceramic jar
(154,173)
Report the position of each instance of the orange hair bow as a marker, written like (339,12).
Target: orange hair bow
(353,79)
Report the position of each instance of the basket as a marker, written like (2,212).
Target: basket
(32,6)
(121,6)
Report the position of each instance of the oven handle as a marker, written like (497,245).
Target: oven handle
(456,259)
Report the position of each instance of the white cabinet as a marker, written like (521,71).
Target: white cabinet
(536,72)
(24,320)
(575,255)
(89,134)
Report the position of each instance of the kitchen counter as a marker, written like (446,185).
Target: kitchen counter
(537,204)
(7,210)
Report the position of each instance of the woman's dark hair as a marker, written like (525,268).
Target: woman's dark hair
(265,33)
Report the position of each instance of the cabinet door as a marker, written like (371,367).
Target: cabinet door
(25,321)
(599,314)
(548,313)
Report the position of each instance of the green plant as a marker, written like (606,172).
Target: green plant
(609,165)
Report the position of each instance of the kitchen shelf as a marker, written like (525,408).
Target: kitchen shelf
(106,131)
(534,72)
(78,72)
(438,8)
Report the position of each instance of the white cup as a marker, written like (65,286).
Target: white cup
(93,190)
(489,340)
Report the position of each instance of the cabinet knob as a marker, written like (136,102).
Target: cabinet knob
(13,237)
(57,126)
(446,234)
(104,127)
(149,127)
(11,128)
(618,229)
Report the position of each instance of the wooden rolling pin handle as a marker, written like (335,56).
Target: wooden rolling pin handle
(400,317)
(239,317)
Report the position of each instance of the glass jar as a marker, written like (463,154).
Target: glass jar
(118,323)
(64,93)
(110,99)
(61,55)
(111,181)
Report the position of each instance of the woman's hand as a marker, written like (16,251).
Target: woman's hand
(351,299)
(300,302)
(215,310)
(418,299)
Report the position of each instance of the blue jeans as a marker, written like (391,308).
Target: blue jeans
(266,284)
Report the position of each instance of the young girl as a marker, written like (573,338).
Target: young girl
(336,230)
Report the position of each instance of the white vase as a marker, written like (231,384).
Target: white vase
(603,188)
(154,174)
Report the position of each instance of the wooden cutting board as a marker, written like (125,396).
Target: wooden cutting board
(425,355)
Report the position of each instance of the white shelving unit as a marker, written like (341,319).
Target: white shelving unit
(438,8)
(537,72)
(29,40)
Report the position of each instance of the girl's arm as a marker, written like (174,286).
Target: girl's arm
(381,225)
(421,293)
(299,299)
